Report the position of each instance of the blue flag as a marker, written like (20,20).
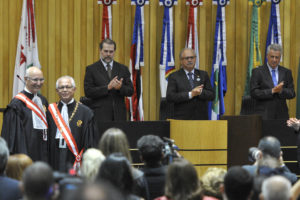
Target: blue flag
(216,108)
(274,31)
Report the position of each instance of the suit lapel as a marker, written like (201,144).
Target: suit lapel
(197,78)
(280,74)
(185,80)
(115,70)
(267,75)
(101,69)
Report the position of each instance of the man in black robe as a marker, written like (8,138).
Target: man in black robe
(24,123)
(72,132)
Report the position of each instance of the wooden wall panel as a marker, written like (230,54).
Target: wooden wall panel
(69,32)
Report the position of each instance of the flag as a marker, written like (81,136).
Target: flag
(167,61)
(254,52)
(136,61)
(298,93)
(192,34)
(274,31)
(218,77)
(106,18)
(27,49)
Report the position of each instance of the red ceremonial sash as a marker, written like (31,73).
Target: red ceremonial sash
(32,106)
(66,133)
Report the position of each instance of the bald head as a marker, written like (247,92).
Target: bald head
(34,79)
(276,187)
(31,71)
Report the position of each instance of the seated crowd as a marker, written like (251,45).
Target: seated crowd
(107,173)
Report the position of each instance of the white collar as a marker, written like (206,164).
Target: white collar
(105,64)
(71,101)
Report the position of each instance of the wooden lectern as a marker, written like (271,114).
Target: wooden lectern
(203,143)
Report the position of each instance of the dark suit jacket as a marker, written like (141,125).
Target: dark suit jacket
(10,189)
(178,93)
(271,106)
(111,103)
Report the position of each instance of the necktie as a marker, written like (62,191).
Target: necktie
(274,77)
(190,74)
(108,70)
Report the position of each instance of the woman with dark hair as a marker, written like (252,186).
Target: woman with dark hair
(116,170)
(114,140)
(182,182)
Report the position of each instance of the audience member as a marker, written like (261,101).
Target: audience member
(114,140)
(116,170)
(151,153)
(16,165)
(91,161)
(182,182)
(270,160)
(95,191)
(37,182)
(9,187)
(276,188)
(237,184)
(212,181)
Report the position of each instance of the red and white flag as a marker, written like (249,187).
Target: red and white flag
(192,33)
(27,49)
(137,61)
(106,18)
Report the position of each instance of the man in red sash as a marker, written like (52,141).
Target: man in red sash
(71,127)
(24,124)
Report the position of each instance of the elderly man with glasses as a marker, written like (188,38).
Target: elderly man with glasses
(71,128)
(189,89)
(25,124)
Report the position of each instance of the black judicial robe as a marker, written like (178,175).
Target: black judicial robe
(18,131)
(82,128)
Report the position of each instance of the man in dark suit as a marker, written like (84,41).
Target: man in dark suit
(271,85)
(189,89)
(107,83)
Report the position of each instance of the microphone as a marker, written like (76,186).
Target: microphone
(21,79)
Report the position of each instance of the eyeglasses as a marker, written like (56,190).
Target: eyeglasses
(188,58)
(35,80)
(67,87)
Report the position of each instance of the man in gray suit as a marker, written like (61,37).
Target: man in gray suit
(271,85)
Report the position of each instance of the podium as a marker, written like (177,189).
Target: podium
(203,143)
(244,131)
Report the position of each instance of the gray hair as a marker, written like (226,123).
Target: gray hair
(4,153)
(91,161)
(68,77)
(274,47)
(182,50)
(276,188)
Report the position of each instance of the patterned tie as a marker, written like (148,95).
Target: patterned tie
(108,70)
(190,74)
(274,77)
